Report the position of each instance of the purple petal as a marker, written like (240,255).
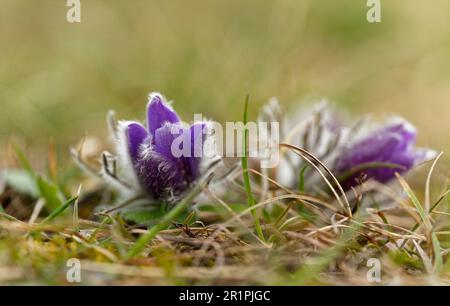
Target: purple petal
(404,129)
(375,148)
(188,163)
(197,140)
(164,137)
(403,162)
(136,135)
(158,113)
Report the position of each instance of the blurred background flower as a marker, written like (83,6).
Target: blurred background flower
(381,153)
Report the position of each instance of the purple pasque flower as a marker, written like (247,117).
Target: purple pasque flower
(161,172)
(380,154)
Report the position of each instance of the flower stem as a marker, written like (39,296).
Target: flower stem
(248,188)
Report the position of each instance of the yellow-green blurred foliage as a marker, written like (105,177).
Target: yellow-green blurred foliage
(57,79)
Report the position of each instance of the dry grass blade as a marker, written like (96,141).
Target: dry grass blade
(425,259)
(423,215)
(36,211)
(428,182)
(302,153)
(304,199)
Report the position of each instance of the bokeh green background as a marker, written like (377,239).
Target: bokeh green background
(57,79)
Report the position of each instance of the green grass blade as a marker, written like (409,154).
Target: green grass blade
(301,179)
(438,261)
(439,201)
(59,210)
(50,192)
(246,177)
(47,190)
(415,201)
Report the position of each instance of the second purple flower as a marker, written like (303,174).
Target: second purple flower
(380,154)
